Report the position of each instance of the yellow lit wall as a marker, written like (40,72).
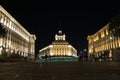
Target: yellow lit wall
(102,42)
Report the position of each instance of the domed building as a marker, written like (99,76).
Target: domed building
(59,50)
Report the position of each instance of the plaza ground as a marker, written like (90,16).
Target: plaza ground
(60,71)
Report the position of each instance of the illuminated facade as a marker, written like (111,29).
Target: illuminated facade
(103,45)
(17,38)
(59,48)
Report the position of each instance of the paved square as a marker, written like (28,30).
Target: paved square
(60,71)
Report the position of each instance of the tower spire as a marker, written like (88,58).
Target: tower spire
(60,27)
(60,30)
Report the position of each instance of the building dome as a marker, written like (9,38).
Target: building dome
(60,31)
(60,36)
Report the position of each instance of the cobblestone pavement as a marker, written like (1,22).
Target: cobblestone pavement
(60,71)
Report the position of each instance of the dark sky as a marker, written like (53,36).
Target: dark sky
(77,19)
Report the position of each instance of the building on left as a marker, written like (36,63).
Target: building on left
(17,39)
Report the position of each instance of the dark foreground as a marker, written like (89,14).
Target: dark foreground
(60,71)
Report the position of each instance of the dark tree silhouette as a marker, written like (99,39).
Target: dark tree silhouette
(2,31)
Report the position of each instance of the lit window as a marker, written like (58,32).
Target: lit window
(5,21)
(111,38)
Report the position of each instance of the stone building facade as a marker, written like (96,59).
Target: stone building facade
(17,39)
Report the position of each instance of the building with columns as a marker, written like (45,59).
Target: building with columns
(17,39)
(59,49)
(103,46)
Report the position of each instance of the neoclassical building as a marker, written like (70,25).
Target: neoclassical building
(59,48)
(17,38)
(103,45)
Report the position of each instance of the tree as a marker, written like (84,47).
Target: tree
(114,26)
(3,34)
(2,31)
(4,56)
(14,55)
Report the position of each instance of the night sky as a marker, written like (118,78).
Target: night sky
(76,19)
